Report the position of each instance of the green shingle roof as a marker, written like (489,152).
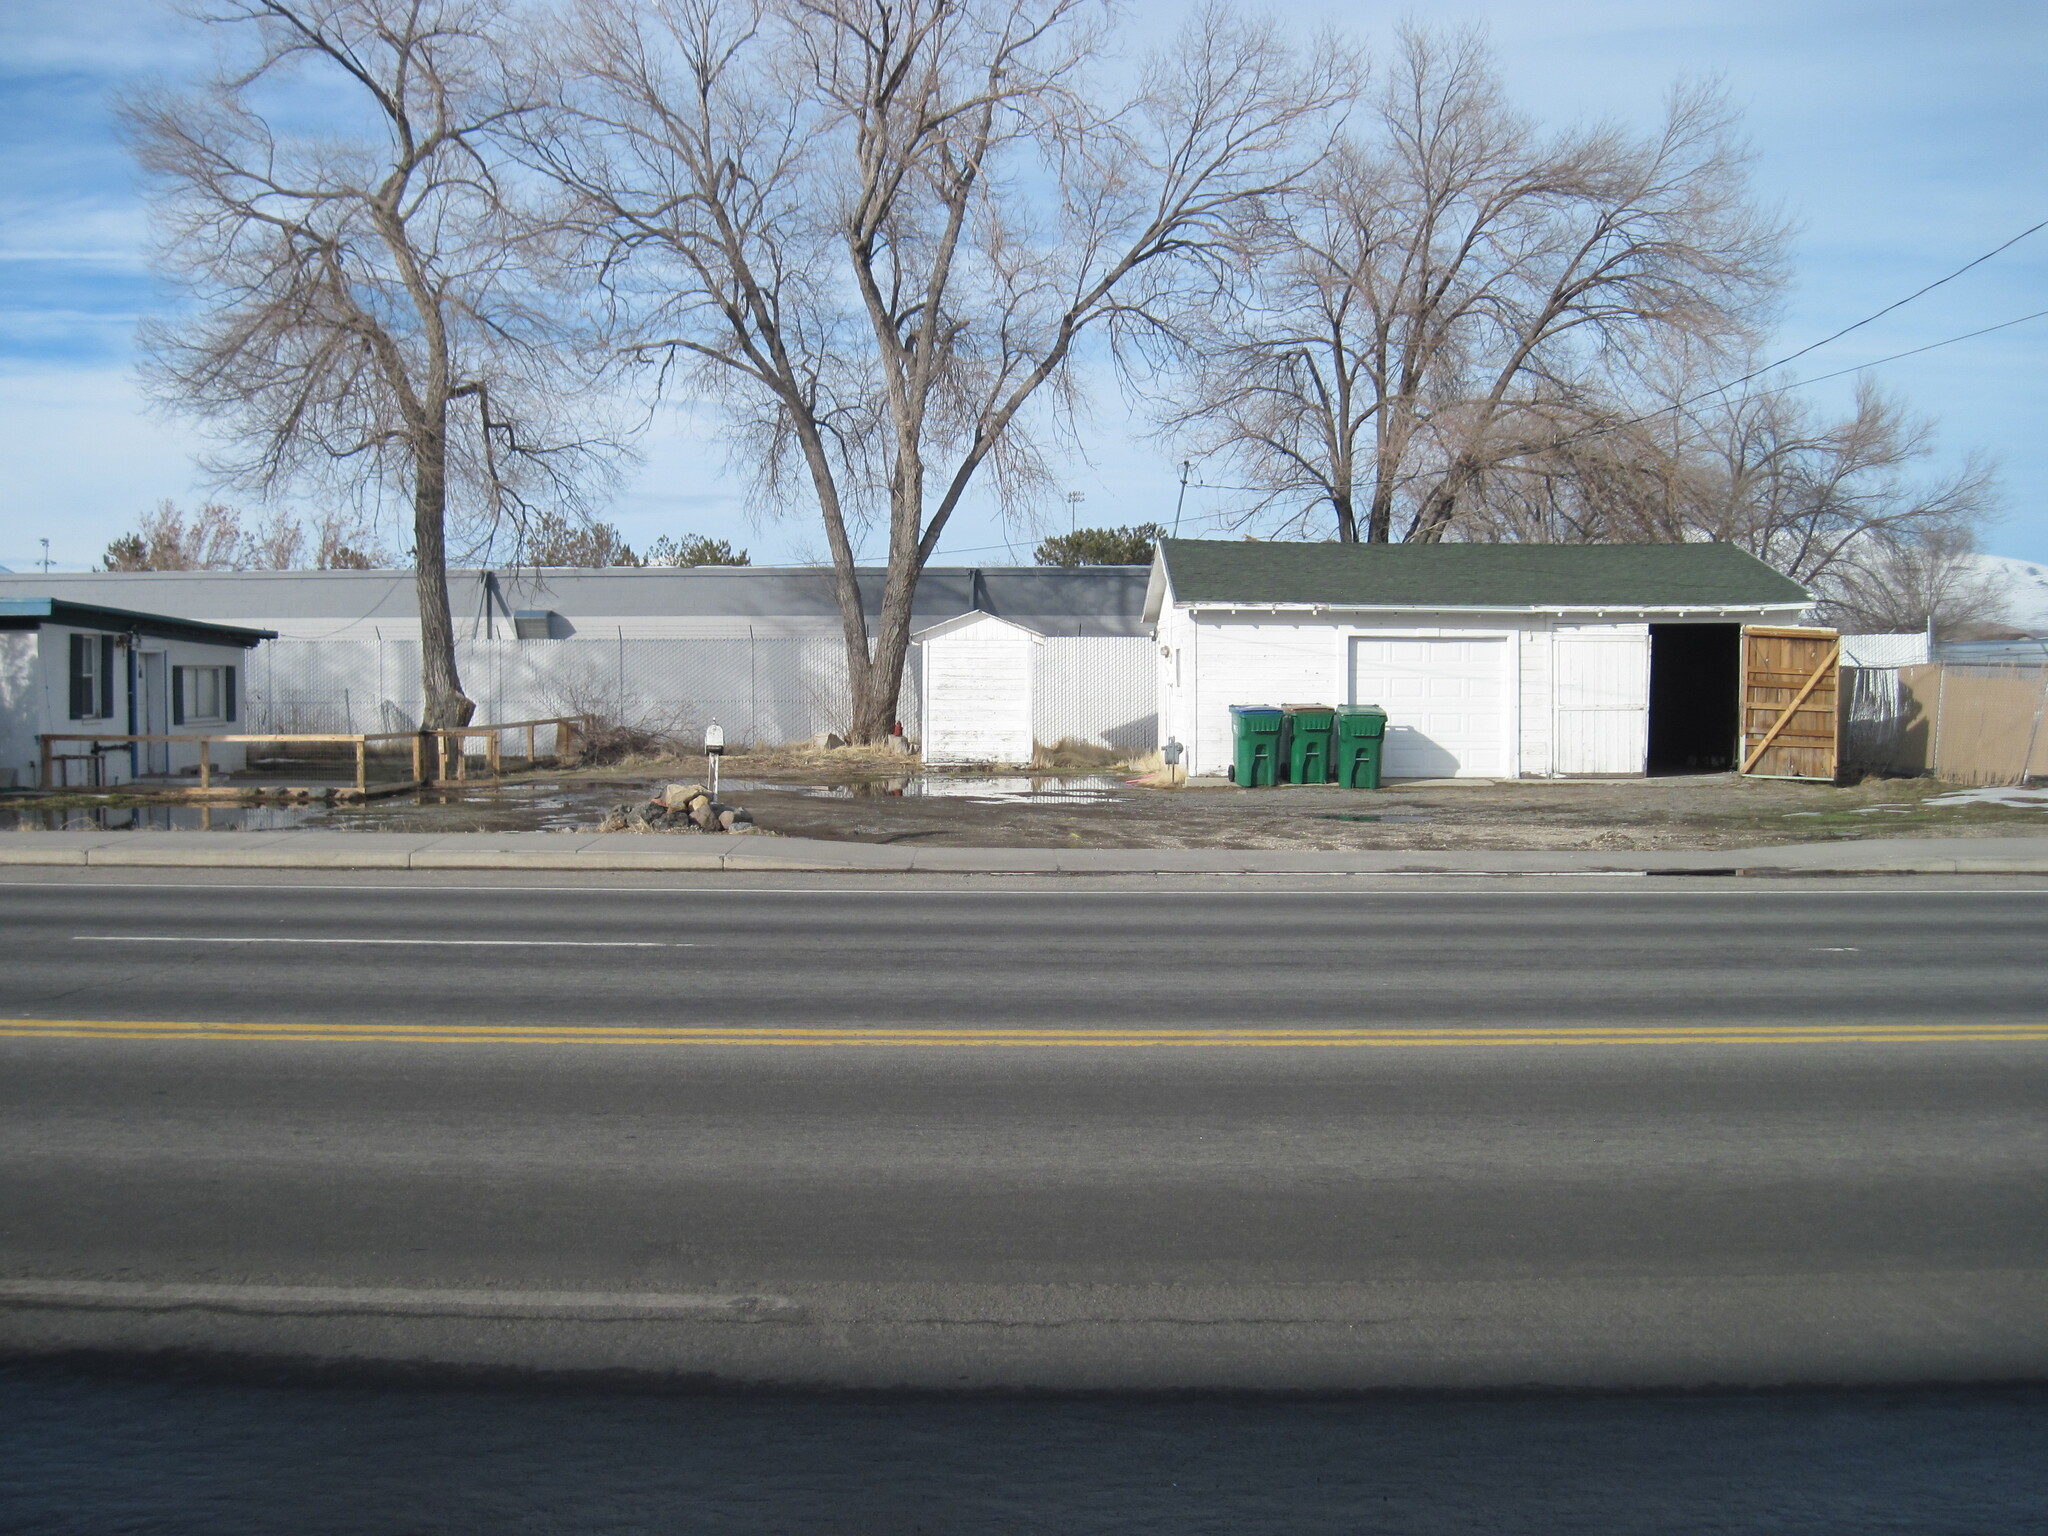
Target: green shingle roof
(1474,575)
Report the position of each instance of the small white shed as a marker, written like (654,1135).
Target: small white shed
(1491,660)
(977,693)
(71,670)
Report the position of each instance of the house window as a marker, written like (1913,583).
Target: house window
(202,695)
(92,677)
(204,686)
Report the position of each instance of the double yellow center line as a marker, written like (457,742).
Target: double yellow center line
(1105,1038)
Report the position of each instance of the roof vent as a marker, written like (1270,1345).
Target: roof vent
(534,623)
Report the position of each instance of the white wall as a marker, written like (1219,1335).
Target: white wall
(1575,697)
(53,710)
(1230,660)
(21,706)
(43,706)
(1246,661)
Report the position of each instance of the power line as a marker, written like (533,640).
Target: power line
(1897,304)
(1915,352)
(1722,389)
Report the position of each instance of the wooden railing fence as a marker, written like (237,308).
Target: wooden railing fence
(444,750)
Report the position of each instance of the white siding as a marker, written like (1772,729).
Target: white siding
(1537,675)
(977,693)
(1602,698)
(1252,663)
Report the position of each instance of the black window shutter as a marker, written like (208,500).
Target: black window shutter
(227,693)
(106,709)
(81,683)
(177,695)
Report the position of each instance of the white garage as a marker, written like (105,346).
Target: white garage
(1491,660)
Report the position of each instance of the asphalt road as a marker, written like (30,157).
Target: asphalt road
(1425,1133)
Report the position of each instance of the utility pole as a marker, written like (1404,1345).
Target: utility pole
(1187,467)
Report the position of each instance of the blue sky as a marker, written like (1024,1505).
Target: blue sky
(1904,139)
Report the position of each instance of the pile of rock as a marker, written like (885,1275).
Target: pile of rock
(679,808)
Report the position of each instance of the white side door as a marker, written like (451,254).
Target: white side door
(1602,703)
(153,710)
(1446,701)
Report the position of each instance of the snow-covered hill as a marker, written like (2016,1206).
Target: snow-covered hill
(2025,583)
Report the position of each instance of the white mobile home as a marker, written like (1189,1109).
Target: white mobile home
(71,669)
(1491,660)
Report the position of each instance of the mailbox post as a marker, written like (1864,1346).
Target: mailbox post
(714,749)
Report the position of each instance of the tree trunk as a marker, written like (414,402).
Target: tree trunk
(446,704)
(877,693)
(1347,518)
(1440,507)
(1379,527)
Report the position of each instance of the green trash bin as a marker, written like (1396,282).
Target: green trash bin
(1308,743)
(1259,737)
(1361,734)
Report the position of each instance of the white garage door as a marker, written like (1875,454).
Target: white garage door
(1446,704)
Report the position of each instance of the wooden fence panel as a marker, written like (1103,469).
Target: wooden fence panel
(1789,710)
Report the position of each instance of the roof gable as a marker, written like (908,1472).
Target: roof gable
(1222,572)
(975,620)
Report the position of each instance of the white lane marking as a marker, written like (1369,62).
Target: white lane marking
(172,938)
(1712,885)
(150,1296)
(1837,949)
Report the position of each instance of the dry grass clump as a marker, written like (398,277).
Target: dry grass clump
(1070,756)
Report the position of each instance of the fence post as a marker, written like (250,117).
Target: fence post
(2034,735)
(532,748)
(419,758)
(205,762)
(1934,747)
(497,755)
(362,767)
(44,781)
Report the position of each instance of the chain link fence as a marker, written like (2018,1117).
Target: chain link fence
(768,689)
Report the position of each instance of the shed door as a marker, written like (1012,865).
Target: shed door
(1603,703)
(977,697)
(1788,702)
(1446,703)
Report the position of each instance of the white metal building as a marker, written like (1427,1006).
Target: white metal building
(68,670)
(1491,660)
(758,649)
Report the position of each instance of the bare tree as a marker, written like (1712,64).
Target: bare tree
(876,232)
(1926,580)
(1843,504)
(365,311)
(1814,497)
(213,538)
(1454,290)
(168,539)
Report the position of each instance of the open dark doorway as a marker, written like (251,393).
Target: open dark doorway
(1695,683)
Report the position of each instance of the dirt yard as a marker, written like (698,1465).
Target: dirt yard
(879,797)
(1103,811)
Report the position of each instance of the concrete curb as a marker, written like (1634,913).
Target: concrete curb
(591,853)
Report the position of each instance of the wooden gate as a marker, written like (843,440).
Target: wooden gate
(1789,718)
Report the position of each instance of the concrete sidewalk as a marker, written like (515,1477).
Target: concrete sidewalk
(596,852)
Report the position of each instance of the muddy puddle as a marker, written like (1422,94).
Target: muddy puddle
(538,807)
